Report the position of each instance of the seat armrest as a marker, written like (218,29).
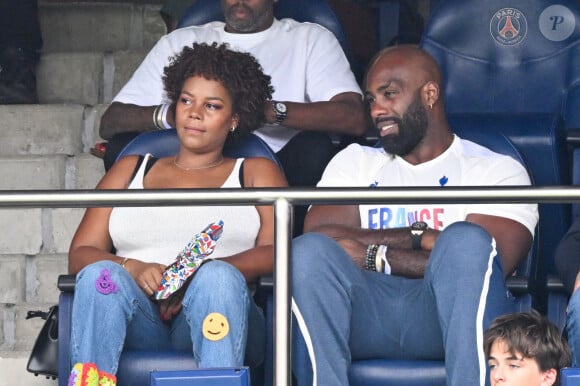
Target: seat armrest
(518,285)
(573,137)
(554,284)
(266,281)
(66,283)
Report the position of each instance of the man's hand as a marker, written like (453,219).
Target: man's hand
(342,114)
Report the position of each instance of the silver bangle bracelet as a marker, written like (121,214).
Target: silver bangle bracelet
(156,117)
(164,121)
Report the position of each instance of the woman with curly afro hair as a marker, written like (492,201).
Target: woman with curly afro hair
(216,93)
(239,73)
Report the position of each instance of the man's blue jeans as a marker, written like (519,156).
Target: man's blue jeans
(573,327)
(105,321)
(344,313)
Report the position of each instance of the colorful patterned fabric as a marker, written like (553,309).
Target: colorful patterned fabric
(189,260)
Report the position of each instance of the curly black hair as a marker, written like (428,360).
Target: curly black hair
(240,74)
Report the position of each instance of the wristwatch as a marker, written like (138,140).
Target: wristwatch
(281,111)
(417,230)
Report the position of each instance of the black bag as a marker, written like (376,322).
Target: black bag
(44,356)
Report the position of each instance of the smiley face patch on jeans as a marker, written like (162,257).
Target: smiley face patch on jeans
(215,327)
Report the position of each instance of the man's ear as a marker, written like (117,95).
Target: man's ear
(430,93)
(549,377)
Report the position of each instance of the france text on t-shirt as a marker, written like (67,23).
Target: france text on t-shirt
(385,217)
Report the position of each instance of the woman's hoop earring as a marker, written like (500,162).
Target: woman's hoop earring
(233,129)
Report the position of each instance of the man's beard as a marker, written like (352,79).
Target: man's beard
(412,128)
(252,24)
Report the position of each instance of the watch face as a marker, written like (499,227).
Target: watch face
(281,107)
(419,226)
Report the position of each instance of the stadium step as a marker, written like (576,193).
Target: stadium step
(90,50)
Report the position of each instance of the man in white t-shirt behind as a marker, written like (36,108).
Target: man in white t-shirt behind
(407,281)
(315,91)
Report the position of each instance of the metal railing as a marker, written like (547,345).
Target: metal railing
(283,201)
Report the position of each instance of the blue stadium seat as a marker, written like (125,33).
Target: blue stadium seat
(523,137)
(135,366)
(516,56)
(570,376)
(164,143)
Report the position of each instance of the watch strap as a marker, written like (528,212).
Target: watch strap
(416,240)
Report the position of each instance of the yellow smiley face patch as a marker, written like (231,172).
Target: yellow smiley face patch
(215,327)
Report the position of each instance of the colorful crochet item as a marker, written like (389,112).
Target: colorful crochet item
(87,374)
(189,260)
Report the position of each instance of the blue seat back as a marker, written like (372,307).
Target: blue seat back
(516,56)
(165,143)
(313,11)
(508,56)
(524,137)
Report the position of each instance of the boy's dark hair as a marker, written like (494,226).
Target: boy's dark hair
(239,73)
(532,335)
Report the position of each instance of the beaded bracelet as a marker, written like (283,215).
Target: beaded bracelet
(370,257)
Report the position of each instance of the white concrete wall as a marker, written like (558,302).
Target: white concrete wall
(90,50)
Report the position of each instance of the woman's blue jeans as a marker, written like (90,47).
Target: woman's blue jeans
(119,315)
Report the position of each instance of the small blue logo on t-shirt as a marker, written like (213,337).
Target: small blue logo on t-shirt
(374,184)
(443,181)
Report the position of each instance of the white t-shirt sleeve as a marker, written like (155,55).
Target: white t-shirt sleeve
(145,88)
(352,167)
(507,172)
(328,70)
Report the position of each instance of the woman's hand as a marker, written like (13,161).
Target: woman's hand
(147,275)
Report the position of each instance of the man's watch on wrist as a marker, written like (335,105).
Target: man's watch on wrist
(417,230)
(281,111)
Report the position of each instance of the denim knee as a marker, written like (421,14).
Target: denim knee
(217,277)
(103,276)
(464,230)
(315,256)
(310,250)
(463,236)
(462,249)
(219,273)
